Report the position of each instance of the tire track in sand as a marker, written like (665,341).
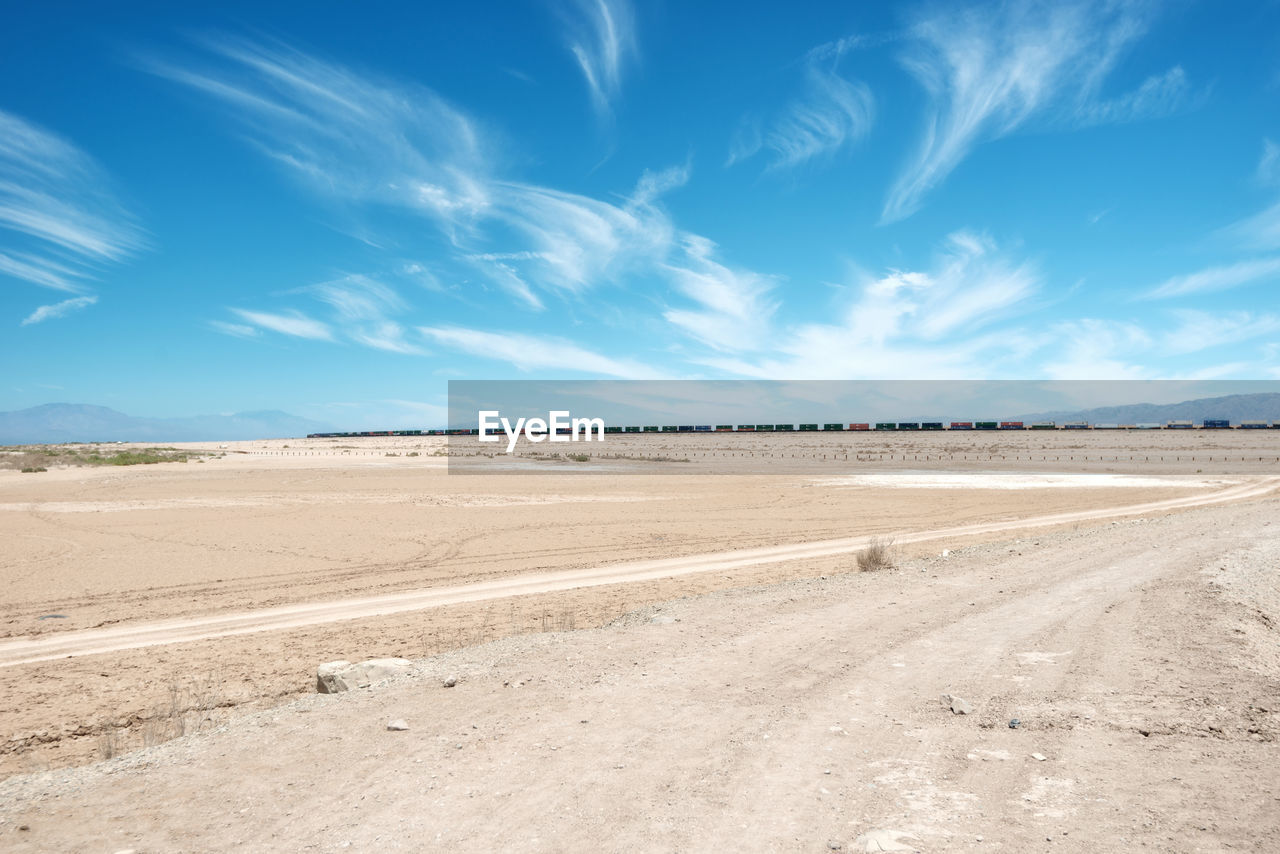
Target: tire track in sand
(134,636)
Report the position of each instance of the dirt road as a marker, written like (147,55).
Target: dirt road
(135,636)
(1140,657)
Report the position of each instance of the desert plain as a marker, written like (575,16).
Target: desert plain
(655,644)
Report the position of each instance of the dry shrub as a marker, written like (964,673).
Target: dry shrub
(877,555)
(109,743)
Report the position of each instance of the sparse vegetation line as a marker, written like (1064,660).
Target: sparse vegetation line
(139,635)
(38,458)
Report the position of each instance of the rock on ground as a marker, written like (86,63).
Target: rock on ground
(335,677)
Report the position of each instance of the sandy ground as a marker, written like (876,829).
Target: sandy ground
(1141,658)
(314,529)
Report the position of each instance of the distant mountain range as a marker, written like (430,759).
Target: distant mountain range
(1233,407)
(78,422)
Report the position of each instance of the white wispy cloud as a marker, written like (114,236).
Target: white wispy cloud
(653,185)
(988,70)
(1260,231)
(59,222)
(833,112)
(1157,96)
(1195,331)
(360,307)
(1218,278)
(386,335)
(61,309)
(347,134)
(1269,164)
(360,139)
(357,298)
(293,323)
(734,306)
(235,330)
(41,271)
(933,323)
(601,37)
(535,352)
(1095,349)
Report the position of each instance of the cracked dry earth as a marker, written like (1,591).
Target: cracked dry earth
(1141,657)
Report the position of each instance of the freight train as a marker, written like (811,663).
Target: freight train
(857,426)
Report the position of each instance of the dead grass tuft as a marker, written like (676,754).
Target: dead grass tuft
(877,555)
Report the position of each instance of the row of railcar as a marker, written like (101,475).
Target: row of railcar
(925,426)
(895,426)
(366,433)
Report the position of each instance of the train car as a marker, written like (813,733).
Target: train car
(764,428)
(1076,425)
(702,428)
(1106,426)
(784,428)
(651,430)
(609,430)
(1180,425)
(836,427)
(1217,424)
(931,425)
(1148,425)
(808,428)
(908,425)
(860,425)
(1253,424)
(746,428)
(961,425)
(724,428)
(670,428)
(632,430)
(886,425)
(685,428)
(1012,425)
(1044,425)
(986,425)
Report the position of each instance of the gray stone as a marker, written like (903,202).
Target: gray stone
(328,677)
(451,681)
(335,677)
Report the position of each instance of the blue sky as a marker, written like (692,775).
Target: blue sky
(332,209)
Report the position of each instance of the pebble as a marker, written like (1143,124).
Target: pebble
(451,681)
(397,726)
(1015,723)
(1039,757)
